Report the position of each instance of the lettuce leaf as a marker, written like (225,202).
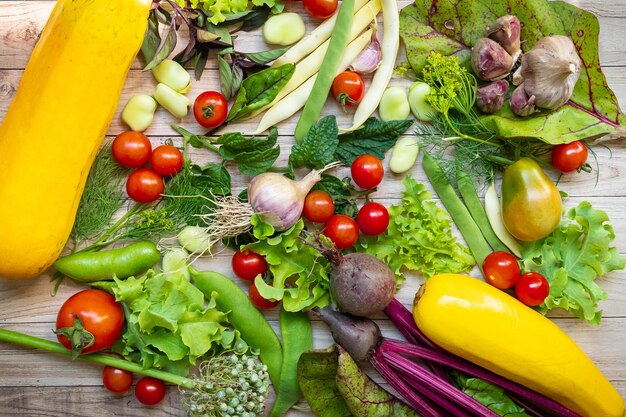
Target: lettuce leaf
(419,237)
(218,9)
(572,257)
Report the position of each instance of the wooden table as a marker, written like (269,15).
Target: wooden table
(34,383)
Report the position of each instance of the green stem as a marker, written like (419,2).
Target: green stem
(499,160)
(102,241)
(43,344)
(464,136)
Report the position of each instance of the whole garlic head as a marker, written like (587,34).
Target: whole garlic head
(550,71)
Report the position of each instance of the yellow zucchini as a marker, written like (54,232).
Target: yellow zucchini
(484,325)
(58,118)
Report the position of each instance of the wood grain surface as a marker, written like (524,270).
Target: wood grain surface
(34,383)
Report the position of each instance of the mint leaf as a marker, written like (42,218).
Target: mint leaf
(375,138)
(317,149)
(341,191)
(253,155)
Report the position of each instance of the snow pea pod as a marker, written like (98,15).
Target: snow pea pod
(97,266)
(252,326)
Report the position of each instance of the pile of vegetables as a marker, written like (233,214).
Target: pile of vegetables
(320,246)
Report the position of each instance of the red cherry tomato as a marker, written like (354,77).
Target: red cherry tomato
(318,206)
(532,289)
(117,380)
(348,89)
(131,149)
(247,265)
(257,299)
(373,219)
(501,270)
(150,391)
(210,109)
(342,230)
(100,315)
(144,185)
(367,171)
(569,157)
(320,9)
(166,160)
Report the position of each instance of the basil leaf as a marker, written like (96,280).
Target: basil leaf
(259,90)
(165,49)
(375,138)
(341,193)
(226,77)
(317,149)
(152,38)
(265,57)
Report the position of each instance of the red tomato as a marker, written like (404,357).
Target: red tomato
(569,157)
(320,9)
(348,89)
(117,380)
(210,109)
(248,264)
(501,270)
(257,299)
(532,289)
(131,149)
(166,160)
(318,206)
(342,230)
(373,219)
(144,185)
(367,171)
(150,391)
(100,315)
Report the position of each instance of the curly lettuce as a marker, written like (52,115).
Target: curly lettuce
(219,9)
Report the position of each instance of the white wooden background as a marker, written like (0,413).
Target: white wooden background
(34,383)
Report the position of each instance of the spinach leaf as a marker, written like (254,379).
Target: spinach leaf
(260,89)
(317,149)
(487,394)
(451,28)
(375,138)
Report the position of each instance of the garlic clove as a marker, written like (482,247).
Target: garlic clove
(550,71)
(369,59)
(522,104)
(490,61)
(507,32)
(490,97)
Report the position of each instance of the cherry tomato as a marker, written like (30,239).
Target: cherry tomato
(501,270)
(367,171)
(257,299)
(150,391)
(166,160)
(210,109)
(248,264)
(144,185)
(348,89)
(569,157)
(318,206)
(532,289)
(320,9)
(342,230)
(131,149)
(117,380)
(373,219)
(100,315)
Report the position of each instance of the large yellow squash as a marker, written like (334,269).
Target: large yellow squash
(52,131)
(484,325)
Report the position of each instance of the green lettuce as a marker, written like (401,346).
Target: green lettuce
(487,394)
(419,237)
(219,9)
(572,257)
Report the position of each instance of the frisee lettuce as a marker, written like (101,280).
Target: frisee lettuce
(572,257)
(419,237)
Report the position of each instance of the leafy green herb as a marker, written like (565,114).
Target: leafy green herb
(572,257)
(169,323)
(317,149)
(451,28)
(300,273)
(218,11)
(419,237)
(230,78)
(259,89)
(264,57)
(487,394)
(165,48)
(342,192)
(375,137)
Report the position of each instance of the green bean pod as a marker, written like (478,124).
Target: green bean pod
(98,266)
(297,335)
(252,326)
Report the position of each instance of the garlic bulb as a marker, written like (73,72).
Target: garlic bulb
(521,103)
(490,97)
(507,31)
(490,61)
(550,71)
